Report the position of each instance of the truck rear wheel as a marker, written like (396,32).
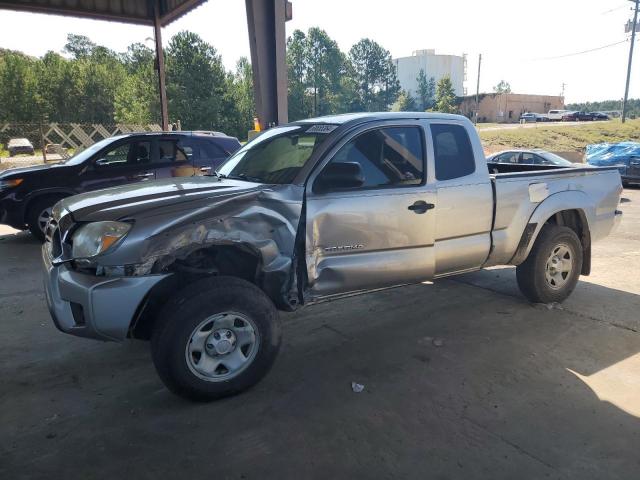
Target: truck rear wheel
(215,338)
(551,271)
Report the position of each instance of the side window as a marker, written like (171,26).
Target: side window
(453,153)
(530,159)
(133,153)
(182,150)
(209,150)
(387,157)
(510,157)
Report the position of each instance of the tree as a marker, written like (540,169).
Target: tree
(241,91)
(445,96)
(18,92)
(374,74)
(324,62)
(426,91)
(196,83)
(299,105)
(404,103)
(79,46)
(502,87)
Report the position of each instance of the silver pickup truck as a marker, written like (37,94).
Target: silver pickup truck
(309,210)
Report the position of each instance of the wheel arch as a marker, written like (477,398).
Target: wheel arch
(572,209)
(235,260)
(40,194)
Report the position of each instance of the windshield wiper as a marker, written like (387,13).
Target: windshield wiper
(243,176)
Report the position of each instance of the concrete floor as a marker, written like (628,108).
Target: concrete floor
(512,390)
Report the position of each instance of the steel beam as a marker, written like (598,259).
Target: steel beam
(267,41)
(157,29)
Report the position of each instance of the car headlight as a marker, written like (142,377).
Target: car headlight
(97,237)
(14,182)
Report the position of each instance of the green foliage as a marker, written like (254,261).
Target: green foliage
(633,106)
(445,96)
(502,87)
(90,83)
(375,75)
(404,103)
(426,91)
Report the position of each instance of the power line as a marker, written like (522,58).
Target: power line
(614,9)
(582,52)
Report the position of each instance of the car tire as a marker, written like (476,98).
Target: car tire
(38,212)
(216,337)
(552,269)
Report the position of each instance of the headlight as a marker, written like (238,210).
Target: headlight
(96,238)
(14,182)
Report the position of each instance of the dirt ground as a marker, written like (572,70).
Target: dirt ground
(462,379)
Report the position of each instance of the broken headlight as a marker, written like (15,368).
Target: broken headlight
(97,237)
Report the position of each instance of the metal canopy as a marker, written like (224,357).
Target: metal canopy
(130,11)
(265,24)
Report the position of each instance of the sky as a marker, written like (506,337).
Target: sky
(530,44)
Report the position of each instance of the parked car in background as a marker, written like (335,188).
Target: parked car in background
(542,117)
(556,115)
(17,146)
(528,118)
(599,116)
(625,156)
(28,194)
(577,117)
(530,157)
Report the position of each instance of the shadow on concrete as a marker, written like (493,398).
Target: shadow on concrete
(497,399)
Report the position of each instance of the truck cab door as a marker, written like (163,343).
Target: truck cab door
(464,217)
(369,212)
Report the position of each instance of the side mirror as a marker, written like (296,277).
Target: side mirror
(339,176)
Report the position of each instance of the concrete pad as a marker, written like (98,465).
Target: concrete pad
(462,379)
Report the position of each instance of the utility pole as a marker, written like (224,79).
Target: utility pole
(478,89)
(563,87)
(633,39)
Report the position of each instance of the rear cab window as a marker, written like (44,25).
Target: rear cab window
(453,154)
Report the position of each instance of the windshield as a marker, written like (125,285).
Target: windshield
(555,159)
(277,155)
(80,157)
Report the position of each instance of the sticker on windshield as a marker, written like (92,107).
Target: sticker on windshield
(322,128)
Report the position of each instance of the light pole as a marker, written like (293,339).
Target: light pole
(633,39)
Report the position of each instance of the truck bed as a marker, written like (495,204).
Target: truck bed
(520,189)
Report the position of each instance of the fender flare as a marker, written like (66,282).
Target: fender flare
(550,206)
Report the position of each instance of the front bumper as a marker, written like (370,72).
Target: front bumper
(93,307)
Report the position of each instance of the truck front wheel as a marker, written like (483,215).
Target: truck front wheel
(551,271)
(217,337)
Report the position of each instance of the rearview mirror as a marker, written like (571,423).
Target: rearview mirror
(339,176)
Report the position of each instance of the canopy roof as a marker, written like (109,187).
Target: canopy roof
(130,11)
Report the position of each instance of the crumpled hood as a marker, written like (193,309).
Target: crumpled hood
(143,198)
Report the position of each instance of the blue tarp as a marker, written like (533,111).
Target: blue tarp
(609,154)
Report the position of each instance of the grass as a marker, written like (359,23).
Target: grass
(561,138)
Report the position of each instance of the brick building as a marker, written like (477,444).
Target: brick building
(507,107)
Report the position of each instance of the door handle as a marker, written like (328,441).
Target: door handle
(145,175)
(421,206)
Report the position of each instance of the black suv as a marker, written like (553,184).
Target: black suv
(28,194)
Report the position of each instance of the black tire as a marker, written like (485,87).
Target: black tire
(626,184)
(38,206)
(183,314)
(532,273)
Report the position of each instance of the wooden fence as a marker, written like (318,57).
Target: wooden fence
(74,136)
